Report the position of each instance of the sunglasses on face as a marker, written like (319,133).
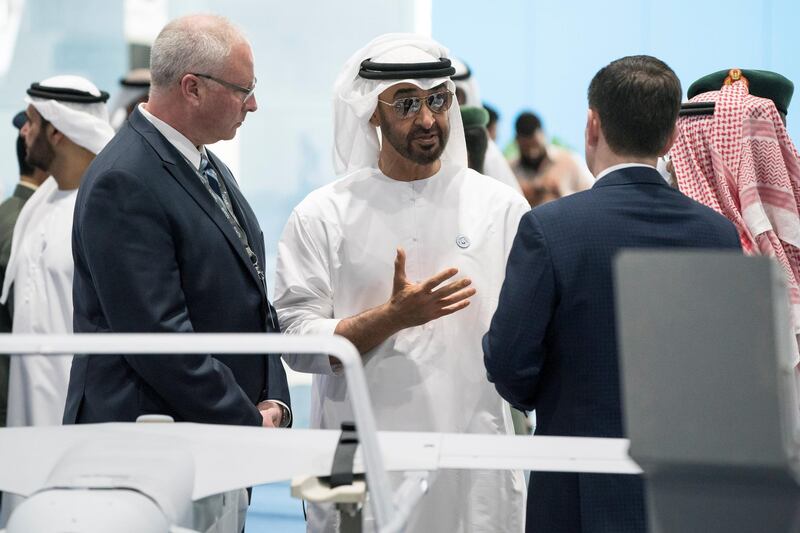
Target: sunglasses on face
(408,107)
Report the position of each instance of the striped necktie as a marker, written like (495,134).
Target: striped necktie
(211,175)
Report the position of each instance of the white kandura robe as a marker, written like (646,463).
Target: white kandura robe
(40,269)
(336,259)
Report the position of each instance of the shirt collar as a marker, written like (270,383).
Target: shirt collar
(176,139)
(609,170)
(30,186)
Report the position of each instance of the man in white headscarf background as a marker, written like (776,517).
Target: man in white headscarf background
(134,90)
(404,255)
(67,126)
(495,164)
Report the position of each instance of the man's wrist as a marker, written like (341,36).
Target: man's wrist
(390,318)
(286,413)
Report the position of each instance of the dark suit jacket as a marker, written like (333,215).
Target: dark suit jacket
(552,344)
(9,211)
(154,253)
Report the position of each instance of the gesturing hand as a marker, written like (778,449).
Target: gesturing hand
(413,304)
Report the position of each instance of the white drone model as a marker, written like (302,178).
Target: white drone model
(143,478)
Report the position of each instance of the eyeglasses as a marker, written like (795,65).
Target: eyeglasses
(244,90)
(410,106)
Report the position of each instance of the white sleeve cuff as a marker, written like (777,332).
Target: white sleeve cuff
(313,364)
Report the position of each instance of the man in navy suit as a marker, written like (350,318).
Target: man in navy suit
(164,241)
(552,344)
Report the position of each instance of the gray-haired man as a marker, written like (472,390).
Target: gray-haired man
(164,241)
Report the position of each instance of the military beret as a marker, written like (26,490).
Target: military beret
(761,83)
(474,117)
(19,120)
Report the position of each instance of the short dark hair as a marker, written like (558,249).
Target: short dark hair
(637,99)
(527,124)
(493,115)
(25,169)
(477,139)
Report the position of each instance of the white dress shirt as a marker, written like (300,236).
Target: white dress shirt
(614,168)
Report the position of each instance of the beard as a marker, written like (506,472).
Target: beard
(421,146)
(532,163)
(40,153)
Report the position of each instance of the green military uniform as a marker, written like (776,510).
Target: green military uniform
(9,211)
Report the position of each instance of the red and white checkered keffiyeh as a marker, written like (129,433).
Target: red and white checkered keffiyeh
(741,162)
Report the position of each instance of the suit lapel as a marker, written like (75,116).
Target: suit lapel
(243,213)
(187,177)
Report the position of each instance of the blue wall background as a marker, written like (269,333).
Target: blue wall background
(541,54)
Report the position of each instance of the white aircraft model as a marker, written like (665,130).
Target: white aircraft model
(147,477)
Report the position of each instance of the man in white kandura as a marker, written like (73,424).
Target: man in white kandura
(67,126)
(404,255)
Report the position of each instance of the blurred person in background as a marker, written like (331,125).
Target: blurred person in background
(495,164)
(30,178)
(545,171)
(475,120)
(67,125)
(134,90)
(494,119)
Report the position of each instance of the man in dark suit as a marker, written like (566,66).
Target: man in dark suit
(164,241)
(552,344)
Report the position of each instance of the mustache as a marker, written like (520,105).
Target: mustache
(422,132)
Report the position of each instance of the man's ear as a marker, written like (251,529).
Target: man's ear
(190,89)
(53,135)
(592,128)
(670,141)
(375,119)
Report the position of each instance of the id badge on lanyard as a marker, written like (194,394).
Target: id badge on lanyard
(225,205)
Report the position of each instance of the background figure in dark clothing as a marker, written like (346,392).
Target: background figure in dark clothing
(475,135)
(30,178)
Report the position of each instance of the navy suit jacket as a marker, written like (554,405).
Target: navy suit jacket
(154,253)
(552,344)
